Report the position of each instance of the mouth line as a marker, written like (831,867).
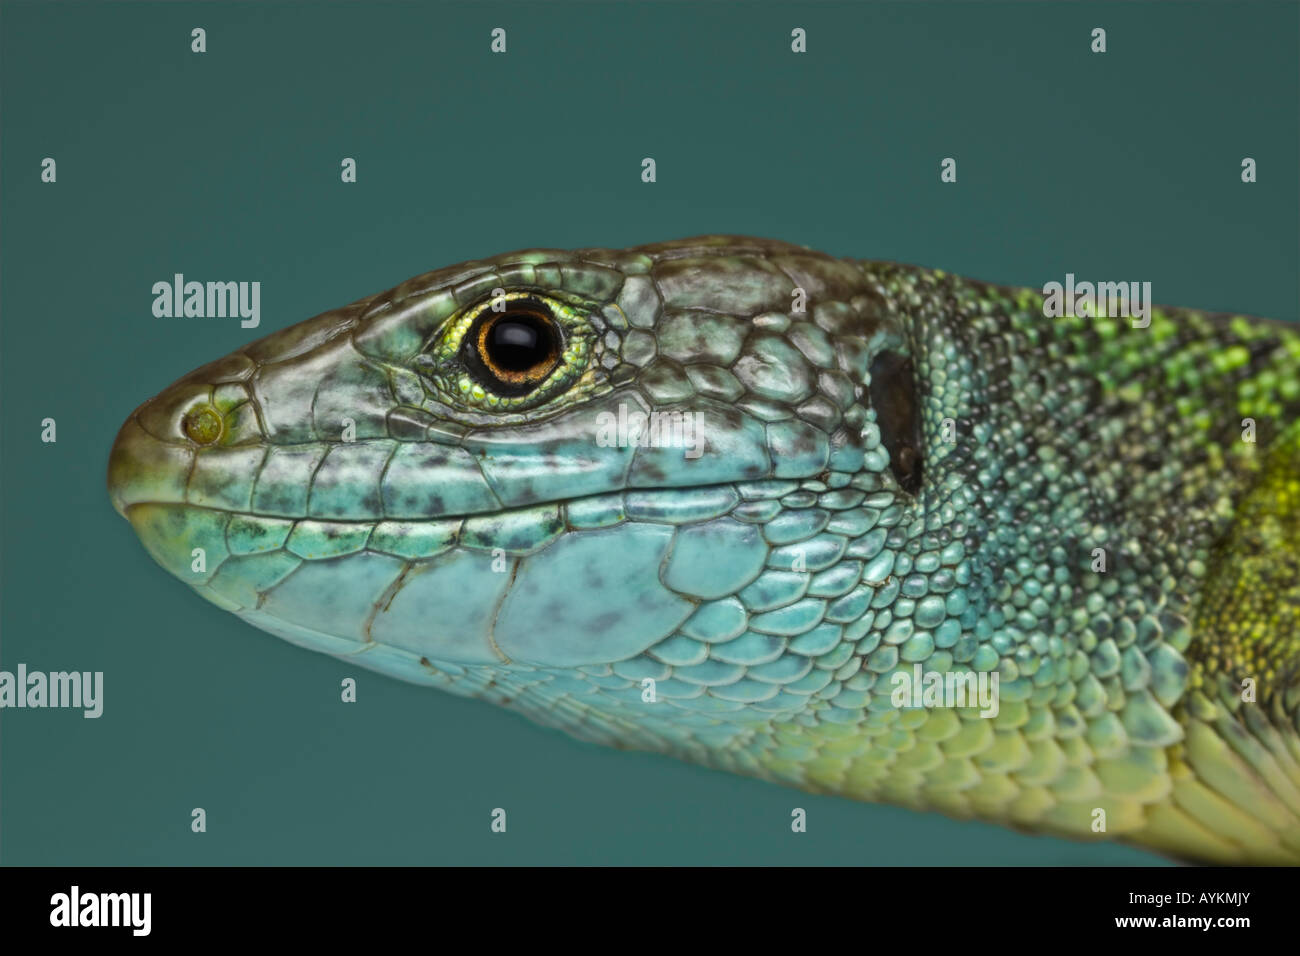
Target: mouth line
(518,532)
(623,493)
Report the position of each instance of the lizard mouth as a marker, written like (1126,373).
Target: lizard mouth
(471,590)
(456,585)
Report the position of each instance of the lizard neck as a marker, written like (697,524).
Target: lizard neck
(1093,511)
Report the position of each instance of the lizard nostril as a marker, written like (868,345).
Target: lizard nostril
(202,425)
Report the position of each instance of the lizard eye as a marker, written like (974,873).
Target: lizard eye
(516,350)
(512,352)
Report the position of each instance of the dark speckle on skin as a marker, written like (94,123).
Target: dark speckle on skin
(803,442)
(526,496)
(521,540)
(653,472)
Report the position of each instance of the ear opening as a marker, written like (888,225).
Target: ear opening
(897,405)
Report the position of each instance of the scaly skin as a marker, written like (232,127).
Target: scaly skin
(772,587)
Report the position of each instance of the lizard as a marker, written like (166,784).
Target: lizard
(721,497)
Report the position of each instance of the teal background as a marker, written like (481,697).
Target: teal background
(226,166)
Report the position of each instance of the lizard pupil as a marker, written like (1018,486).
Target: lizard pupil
(514,351)
(516,345)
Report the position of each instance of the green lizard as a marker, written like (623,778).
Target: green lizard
(722,497)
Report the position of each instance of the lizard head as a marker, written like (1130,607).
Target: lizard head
(649,495)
